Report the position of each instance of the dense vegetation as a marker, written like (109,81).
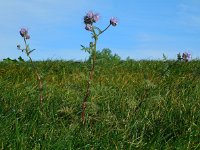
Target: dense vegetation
(133,105)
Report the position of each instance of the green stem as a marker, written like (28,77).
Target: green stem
(91,73)
(40,85)
(104,30)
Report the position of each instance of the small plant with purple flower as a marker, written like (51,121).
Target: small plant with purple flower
(89,19)
(24,34)
(185,56)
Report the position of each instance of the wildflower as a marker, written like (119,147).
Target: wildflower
(186,56)
(91,18)
(113,21)
(88,19)
(88,27)
(90,14)
(24,33)
(96,17)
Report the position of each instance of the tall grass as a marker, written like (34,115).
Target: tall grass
(133,105)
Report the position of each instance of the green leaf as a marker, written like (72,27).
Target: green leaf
(30,51)
(21,59)
(86,49)
(8,60)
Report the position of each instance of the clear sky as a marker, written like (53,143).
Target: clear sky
(146,29)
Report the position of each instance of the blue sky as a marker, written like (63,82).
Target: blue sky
(146,29)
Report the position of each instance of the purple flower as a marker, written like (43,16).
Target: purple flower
(113,21)
(87,20)
(91,18)
(23,32)
(90,14)
(96,17)
(186,56)
(88,27)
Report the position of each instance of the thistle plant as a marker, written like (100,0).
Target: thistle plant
(89,20)
(24,34)
(185,56)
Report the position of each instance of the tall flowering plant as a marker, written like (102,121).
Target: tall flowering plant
(185,57)
(89,20)
(24,34)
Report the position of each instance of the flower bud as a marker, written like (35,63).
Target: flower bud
(113,21)
(18,47)
(88,27)
(23,32)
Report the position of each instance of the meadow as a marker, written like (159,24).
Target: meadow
(133,105)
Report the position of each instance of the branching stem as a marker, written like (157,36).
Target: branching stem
(91,72)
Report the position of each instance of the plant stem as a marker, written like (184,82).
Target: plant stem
(91,73)
(104,30)
(89,82)
(40,85)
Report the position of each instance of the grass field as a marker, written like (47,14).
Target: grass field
(133,105)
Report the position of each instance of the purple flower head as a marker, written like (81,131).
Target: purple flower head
(23,32)
(90,14)
(88,27)
(91,18)
(186,56)
(87,20)
(96,17)
(113,21)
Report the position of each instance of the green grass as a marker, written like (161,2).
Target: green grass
(133,105)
